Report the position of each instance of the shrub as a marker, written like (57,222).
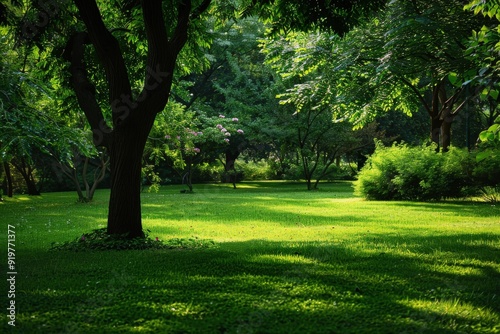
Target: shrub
(401,172)
(207,172)
(487,172)
(254,170)
(491,194)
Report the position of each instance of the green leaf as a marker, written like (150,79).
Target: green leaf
(494,128)
(482,155)
(483,136)
(494,94)
(454,79)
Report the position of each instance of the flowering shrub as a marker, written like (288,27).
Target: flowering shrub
(224,128)
(186,139)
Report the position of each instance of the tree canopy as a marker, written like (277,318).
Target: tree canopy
(109,68)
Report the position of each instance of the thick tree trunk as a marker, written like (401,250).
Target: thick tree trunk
(124,216)
(446,134)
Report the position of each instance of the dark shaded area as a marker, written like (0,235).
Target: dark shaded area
(260,286)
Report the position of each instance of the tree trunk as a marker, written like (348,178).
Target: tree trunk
(124,216)
(436,131)
(99,175)
(231,156)
(74,178)
(307,173)
(8,177)
(446,134)
(27,173)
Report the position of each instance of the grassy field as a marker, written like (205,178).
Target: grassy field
(285,261)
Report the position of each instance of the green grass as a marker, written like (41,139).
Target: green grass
(285,261)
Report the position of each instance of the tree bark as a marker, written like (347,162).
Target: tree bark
(8,177)
(124,215)
(446,134)
(231,156)
(26,171)
(99,175)
(74,177)
(436,131)
(441,113)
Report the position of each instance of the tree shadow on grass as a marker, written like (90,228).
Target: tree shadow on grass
(443,284)
(480,209)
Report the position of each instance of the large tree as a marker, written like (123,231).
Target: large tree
(132,117)
(165,26)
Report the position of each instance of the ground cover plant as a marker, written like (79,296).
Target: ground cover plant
(283,261)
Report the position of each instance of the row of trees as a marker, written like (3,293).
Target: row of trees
(256,79)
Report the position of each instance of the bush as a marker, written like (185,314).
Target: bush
(206,172)
(491,194)
(401,172)
(487,172)
(254,170)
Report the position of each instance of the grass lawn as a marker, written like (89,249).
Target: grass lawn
(285,261)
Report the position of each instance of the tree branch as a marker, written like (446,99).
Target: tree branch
(110,56)
(179,37)
(85,90)
(156,33)
(161,57)
(200,9)
(417,92)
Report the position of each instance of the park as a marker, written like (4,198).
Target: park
(250,166)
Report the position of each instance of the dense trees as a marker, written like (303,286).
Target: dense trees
(120,62)
(411,56)
(31,135)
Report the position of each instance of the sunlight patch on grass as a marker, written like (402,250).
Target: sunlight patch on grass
(451,312)
(286,261)
(282,258)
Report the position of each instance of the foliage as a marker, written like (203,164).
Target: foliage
(401,172)
(183,139)
(33,127)
(406,58)
(255,170)
(490,143)
(100,240)
(486,171)
(237,87)
(483,47)
(380,65)
(318,135)
(491,194)
(300,15)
